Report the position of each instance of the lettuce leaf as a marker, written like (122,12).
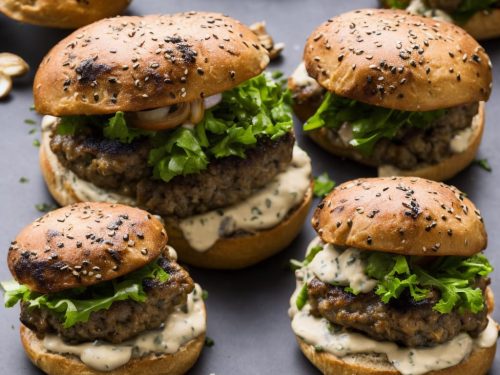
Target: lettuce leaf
(454,277)
(259,107)
(398,4)
(76,305)
(369,123)
(323,185)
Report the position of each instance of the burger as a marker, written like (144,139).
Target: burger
(479,18)
(173,114)
(396,282)
(66,14)
(100,291)
(399,92)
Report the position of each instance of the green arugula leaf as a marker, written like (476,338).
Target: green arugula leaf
(398,4)
(323,185)
(468,8)
(302,297)
(484,163)
(454,277)
(369,123)
(76,305)
(117,128)
(295,264)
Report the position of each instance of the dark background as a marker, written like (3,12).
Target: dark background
(247,310)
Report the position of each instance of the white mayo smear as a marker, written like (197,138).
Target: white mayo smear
(302,78)
(342,342)
(265,209)
(184,324)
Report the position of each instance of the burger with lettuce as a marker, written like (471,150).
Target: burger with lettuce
(396,282)
(173,113)
(395,91)
(480,18)
(101,292)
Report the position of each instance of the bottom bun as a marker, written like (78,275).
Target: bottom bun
(478,363)
(234,252)
(441,171)
(177,363)
(242,250)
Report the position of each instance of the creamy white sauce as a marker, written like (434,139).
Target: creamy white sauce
(461,141)
(184,324)
(419,7)
(342,342)
(265,209)
(301,78)
(342,267)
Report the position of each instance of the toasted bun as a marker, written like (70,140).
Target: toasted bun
(66,14)
(392,59)
(479,362)
(442,171)
(242,250)
(484,25)
(177,363)
(139,63)
(84,244)
(402,215)
(227,253)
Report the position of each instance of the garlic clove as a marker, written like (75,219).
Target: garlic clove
(12,65)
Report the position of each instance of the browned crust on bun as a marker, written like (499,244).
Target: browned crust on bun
(484,25)
(66,14)
(227,253)
(401,215)
(185,56)
(244,250)
(84,244)
(407,62)
(479,362)
(177,363)
(442,171)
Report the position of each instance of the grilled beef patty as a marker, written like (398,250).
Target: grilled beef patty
(404,321)
(124,319)
(124,168)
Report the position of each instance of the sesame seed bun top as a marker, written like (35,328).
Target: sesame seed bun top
(402,215)
(392,59)
(139,63)
(84,244)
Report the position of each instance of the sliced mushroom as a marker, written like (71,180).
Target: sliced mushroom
(12,65)
(197,111)
(5,85)
(161,118)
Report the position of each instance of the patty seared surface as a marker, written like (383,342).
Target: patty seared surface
(404,321)
(411,146)
(124,168)
(124,319)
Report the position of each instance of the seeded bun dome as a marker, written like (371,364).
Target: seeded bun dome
(66,14)
(84,244)
(479,362)
(392,59)
(140,63)
(401,215)
(177,363)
